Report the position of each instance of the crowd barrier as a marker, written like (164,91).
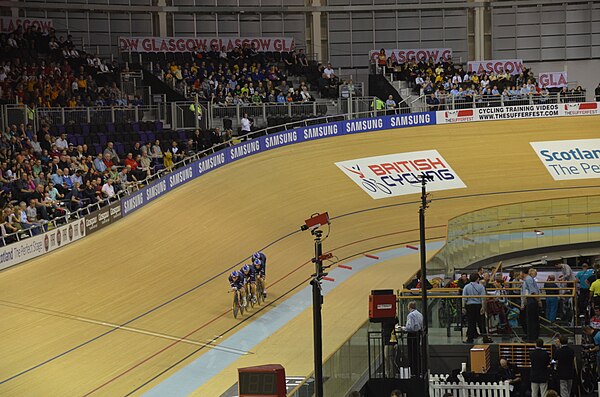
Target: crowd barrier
(197,166)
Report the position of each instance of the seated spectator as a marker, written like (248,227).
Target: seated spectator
(433,103)
(416,282)
(168,160)
(108,189)
(26,222)
(113,156)
(156,150)
(510,372)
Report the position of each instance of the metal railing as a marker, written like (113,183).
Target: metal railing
(9,238)
(464,101)
(265,114)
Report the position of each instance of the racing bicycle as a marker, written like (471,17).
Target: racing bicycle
(238,304)
(260,289)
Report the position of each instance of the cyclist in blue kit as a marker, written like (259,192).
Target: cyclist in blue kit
(249,281)
(236,280)
(259,261)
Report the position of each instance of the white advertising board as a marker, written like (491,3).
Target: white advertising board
(398,174)
(572,159)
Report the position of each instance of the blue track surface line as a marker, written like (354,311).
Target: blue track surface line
(210,364)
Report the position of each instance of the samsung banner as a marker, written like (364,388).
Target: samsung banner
(417,54)
(568,160)
(263,143)
(189,44)
(398,174)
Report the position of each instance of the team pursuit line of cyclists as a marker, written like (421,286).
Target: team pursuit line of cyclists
(249,284)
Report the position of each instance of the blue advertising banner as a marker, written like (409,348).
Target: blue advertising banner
(268,142)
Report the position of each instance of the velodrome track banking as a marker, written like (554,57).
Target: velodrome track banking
(33,247)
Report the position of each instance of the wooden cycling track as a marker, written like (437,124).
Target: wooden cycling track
(162,271)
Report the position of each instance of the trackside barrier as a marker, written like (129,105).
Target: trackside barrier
(518,112)
(263,140)
(438,387)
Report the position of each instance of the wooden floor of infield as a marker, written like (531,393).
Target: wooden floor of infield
(162,271)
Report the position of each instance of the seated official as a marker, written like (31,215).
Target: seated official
(510,372)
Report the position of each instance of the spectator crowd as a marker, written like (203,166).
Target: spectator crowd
(445,81)
(40,70)
(244,76)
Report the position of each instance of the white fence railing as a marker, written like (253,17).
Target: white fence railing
(438,387)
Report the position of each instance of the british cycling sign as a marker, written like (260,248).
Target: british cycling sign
(398,174)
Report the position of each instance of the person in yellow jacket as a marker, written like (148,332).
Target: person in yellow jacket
(379,106)
(168,160)
(193,110)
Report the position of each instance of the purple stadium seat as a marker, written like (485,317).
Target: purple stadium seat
(85,129)
(103,139)
(159,125)
(120,149)
(110,128)
(136,127)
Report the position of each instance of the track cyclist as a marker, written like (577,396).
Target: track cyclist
(236,280)
(259,261)
(249,281)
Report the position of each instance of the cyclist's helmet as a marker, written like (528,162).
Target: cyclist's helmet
(257,262)
(234,274)
(245,268)
(256,255)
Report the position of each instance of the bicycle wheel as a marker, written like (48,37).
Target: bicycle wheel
(236,305)
(259,292)
(588,379)
(249,298)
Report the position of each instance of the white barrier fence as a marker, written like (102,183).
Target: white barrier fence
(438,387)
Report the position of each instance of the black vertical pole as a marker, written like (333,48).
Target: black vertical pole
(424,341)
(317,325)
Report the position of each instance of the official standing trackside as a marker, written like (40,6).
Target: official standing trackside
(584,287)
(413,328)
(565,368)
(531,302)
(473,304)
(540,362)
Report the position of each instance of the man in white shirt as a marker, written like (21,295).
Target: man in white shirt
(414,326)
(414,319)
(328,71)
(246,124)
(108,189)
(61,143)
